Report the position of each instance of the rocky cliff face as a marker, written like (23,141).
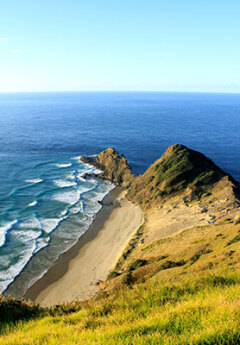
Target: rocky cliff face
(114,167)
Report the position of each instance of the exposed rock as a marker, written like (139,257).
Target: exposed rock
(114,167)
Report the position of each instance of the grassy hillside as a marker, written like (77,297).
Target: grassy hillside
(202,311)
(196,302)
(178,168)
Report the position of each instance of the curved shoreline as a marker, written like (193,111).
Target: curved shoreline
(76,272)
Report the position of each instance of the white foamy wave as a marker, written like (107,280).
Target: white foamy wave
(34,203)
(64,212)
(32,223)
(28,235)
(71,175)
(41,243)
(76,209)
(34,180)
(66,165)
(64,183)
(70,197)
(77,158)
(51,224)
(4,229)
(90,170)
(7,276)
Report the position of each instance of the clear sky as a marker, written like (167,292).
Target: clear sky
(159,45)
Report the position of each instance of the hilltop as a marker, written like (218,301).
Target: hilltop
(179,170)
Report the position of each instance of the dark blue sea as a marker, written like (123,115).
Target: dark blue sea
(45,204)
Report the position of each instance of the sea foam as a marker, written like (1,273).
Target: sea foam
(34,203)
(69,197)
(4,229)
(64,165)
(64,183)
(34,180)
(51,224)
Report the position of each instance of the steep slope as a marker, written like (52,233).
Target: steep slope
(179,169)
(114,167)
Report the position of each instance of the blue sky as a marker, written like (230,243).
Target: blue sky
(159,45)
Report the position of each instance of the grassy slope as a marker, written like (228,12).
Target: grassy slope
(197,303)
(179,167)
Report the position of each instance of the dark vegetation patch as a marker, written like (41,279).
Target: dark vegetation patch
(136,264)
(234,240)
(219,235)
(112,275)
(171,264)
(198,254)
(13,310)
(161,257)
(128,278)
(237,221)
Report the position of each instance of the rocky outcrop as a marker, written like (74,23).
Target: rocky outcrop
(114,167)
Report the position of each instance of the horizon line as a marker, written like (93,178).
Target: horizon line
(115,91)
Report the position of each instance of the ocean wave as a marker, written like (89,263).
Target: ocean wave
(70,197)
(51,224)
(34,180)
(4,229)
(34,203)
(77,158)
(31,223)
(27,235)
(77,208)
(70,175)
(64,165)
(41,243)
(64,183)
(7,276)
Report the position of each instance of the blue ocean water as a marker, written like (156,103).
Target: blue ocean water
(45,204)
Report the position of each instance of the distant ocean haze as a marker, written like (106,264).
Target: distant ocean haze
(45,204)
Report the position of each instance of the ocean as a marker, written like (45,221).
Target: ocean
(46,204)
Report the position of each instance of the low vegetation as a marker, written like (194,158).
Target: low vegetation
(189,295)
(198,311)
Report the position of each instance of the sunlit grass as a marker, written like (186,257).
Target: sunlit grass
(202,311)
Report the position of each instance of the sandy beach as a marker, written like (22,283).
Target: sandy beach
(76,273)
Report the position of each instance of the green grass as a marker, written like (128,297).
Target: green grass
(198,311)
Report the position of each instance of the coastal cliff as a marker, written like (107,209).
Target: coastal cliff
(113,167)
